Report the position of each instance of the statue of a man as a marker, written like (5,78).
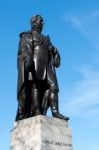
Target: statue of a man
(37,82)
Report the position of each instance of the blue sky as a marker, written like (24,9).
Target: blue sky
(74,29)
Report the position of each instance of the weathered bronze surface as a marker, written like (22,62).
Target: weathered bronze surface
(37,88)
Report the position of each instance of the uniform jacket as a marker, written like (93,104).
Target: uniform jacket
(36,58)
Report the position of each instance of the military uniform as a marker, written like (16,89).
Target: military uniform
(37,59)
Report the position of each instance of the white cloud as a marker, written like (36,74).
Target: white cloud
(77,23)
(84,96)
(87,24)
(95,14)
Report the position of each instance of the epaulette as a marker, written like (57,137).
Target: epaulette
(23,33)
(48,37)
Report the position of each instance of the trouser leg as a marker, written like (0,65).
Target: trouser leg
(45,103)
(21,112)
(35,102)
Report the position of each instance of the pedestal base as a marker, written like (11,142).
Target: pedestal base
(41,133)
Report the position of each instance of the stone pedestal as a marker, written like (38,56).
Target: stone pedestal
(41,133)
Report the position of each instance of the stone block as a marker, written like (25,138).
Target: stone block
(41,133)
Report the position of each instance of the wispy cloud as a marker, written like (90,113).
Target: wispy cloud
(95,14)
(82,99)
(84,96)
(76,22)
(87,24)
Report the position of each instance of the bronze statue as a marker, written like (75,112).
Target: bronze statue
(37,82)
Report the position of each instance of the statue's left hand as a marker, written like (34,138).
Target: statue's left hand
(56,60)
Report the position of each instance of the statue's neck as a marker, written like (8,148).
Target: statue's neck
(36,30)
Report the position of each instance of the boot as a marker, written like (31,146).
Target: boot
(56,114)
(54,106)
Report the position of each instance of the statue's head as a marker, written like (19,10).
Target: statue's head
(37,23)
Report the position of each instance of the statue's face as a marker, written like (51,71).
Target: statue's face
(37,23)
